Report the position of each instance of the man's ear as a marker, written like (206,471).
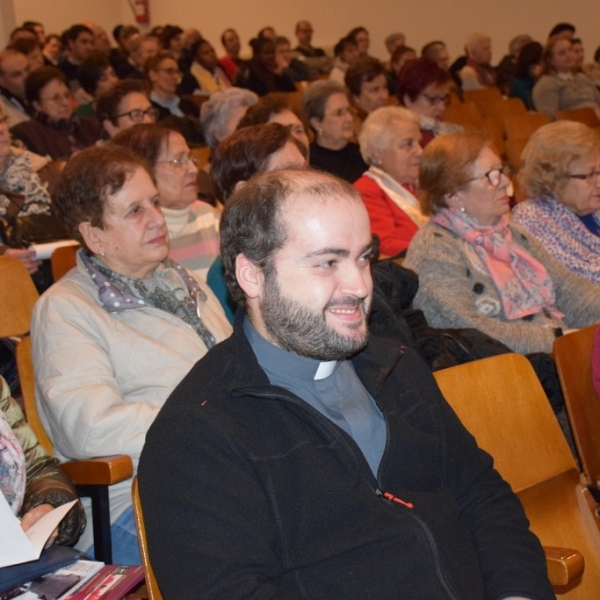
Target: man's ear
(91,236)
(249,277)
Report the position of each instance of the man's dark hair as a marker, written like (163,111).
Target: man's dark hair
(168,33)
(251,223)
(560,28)
(108,103)
(245,153)
(87,180)
(71,34)
(24,45)
(362,71)
(227,31)
(341,46)
(91,70)
(38,79)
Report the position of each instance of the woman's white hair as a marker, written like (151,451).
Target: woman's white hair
(376,133)
(475,41)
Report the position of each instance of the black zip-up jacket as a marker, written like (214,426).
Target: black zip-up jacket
(248,492)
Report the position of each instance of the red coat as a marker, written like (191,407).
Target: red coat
(393,226)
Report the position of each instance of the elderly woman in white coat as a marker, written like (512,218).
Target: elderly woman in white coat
(113,338)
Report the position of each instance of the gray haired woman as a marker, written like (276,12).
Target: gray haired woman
(327,108)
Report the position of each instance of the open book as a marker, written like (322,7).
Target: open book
(18,546)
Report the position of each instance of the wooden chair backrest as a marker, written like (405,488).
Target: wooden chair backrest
(573,356)
(202,153)
(514,148)
(502,403)
(63,259)
(138,516)
(482,97)
(587,116)
(17,297)
(522,126)
(27,381)
(464,113)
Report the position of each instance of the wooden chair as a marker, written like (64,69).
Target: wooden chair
(482,98)
(501,401)
(464,113)
(63,259)
(514,148)
(587,116)
(138,516)
(92,477)
(573,356)
(522,126)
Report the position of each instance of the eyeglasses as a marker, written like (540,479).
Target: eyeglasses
(137,114)
(587,177)
(58,97)
(340,112)
(494,176)
(180,163)
(437,99)
(175,72)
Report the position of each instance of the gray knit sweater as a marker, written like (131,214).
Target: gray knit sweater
(552,93)
(456,290)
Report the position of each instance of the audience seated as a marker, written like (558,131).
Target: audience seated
(389,144)
(561,173)
(171,39)
(477,73)
(326,106)
(54,131)
(346,54)
(295,69)
(31,49)
(96,76)
(274,108)
(401,55)
(559,87)
(101,40)
(437,53)
(205,76)
(366,82)
(78,42)
(193,225)
(124,105)
(527,70)
(231,62)
(304,33)
(424,88)
(360,36)
(141,50)
(243,155)
(477,269)
(52,50)
(31,481)
(131,320)
(14,68)
(506,69)
(261,74)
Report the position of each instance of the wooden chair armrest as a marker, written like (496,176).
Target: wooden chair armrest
(564,565)
(105,470)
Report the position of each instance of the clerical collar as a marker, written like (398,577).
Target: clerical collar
(273,358)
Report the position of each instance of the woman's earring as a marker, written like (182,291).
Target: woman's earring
(462,209)
(102,253)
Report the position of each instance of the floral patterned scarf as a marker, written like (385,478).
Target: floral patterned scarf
(523,283)
(12,466)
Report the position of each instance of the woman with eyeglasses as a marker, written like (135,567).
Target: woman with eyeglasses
(54,130)
(424,88)
(126,104)
(479,270)
(389,144)
(327,108)
(561,173)
(193,225)
(115,335)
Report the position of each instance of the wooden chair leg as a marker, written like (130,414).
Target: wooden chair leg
(100,520)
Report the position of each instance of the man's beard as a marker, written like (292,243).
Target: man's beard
(296,328)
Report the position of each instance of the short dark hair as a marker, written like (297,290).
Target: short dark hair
(38,79)
(108,103)
(531,54)
(87,180)
(168,33)
(71,34)
(145,140)
(430,49)
(244,155)
(25,45)
(362,71)
(561,28)
(597,55)
(91,70)
(251,222)
(227,31)
(418,74)
(153,63)
(354,32)
(341,46)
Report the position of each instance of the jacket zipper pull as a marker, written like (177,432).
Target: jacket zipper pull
(391,498)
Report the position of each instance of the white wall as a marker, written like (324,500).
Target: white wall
(450,20)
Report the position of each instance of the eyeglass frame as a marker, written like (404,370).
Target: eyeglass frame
(180,163)
(587,177)
(500,170)
(433,100)
(151,111)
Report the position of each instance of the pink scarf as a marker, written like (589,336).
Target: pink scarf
(523,283)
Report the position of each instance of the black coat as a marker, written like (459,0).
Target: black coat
(250,492)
